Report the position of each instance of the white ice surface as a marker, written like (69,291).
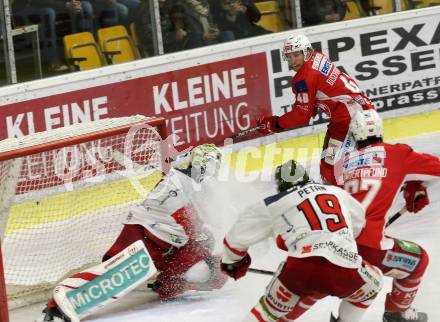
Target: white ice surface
(231,303)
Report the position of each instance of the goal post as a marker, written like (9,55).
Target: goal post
(64,195)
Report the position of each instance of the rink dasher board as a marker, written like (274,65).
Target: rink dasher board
(402,48)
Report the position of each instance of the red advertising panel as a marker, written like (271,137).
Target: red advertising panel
(205,103)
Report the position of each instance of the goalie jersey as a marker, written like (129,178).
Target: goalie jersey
(167,212)
(311,220)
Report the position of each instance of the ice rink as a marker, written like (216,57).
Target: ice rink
(232,303)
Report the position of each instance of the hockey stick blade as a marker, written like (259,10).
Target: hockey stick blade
(260,271)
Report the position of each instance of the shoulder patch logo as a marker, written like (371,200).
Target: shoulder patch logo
(317,61)
(325,66)
(368,159)
(301,86)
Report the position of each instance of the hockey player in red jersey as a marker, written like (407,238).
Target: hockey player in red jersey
(176,239)
(374,174)
(317,225)
(318,85)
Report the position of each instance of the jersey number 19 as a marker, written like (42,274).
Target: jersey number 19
(324,213)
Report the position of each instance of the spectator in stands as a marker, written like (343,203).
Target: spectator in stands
(143,25)
(366,6)
(79,12)
(239,16)
(286,14)
(132,7)
(45,12)
(110,13)
(316,12)
(180,36)
(27,13)
(199,20)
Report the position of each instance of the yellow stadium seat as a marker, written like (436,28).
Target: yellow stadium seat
(82,52)
(383,6)
(406,4)
(425,3)
(354,10)
(388,6)
(134,34)
(288,13)
(270,16)
(117,45)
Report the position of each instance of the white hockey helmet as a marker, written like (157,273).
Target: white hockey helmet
(297,43)
(205,161)
(366,124)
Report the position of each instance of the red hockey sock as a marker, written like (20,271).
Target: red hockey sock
(402,295)
(404,290)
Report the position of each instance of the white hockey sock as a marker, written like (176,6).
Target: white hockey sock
(349,312)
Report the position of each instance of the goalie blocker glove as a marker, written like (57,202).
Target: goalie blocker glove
(238,269)
(416,196)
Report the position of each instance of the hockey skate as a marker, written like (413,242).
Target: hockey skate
(410,315)
(52,315)
(333,319)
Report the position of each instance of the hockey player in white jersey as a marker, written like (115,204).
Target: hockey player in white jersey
(168,234)
(317,224)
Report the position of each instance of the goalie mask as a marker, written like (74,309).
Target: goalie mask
(289,175)
(205,161)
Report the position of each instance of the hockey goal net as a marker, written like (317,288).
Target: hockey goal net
(64,194)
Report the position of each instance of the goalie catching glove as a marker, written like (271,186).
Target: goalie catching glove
(416,196)
(237,269)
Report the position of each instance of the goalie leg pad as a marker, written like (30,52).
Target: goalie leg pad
(83,293)
(132,233)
